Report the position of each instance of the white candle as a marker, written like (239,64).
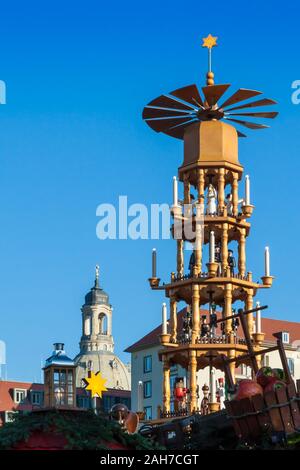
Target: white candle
(175,191)
(164,319)
(212,247)
(258,318)
(247,190)
(154,262)
(212,385)
(267,261)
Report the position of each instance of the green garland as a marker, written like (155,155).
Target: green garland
(83,430)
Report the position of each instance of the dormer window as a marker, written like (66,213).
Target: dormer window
(285,337)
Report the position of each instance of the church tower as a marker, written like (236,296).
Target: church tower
(97,343)
(97,320)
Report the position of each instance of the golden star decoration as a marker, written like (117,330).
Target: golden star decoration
(210,41)
(95,383)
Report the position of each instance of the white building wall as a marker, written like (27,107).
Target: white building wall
(155,376)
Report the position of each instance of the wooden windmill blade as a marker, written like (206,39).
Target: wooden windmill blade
(253,104)
(240,95)
(189,94)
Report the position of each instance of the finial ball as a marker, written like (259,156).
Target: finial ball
(210,78)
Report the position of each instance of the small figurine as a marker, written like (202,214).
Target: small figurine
(187,326)
(204,402)
(180,394)
(221,393)
(213,319)
(222,326)
(213,324)
(211,208)
(218,257)
(228,204)
(204,327)
(231,262)
(235,322)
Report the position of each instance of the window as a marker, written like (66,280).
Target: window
(148,389)
(266,360)
(36,398)
(147,364)
(148,412)
(102,321)
(285,337)
(63,387)
(291,365)
(83,402)
(19,395)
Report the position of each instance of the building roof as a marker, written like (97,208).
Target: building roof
(269,326)
(96,296)
(59,357)
(7,397)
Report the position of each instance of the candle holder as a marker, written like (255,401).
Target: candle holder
(258,338)
(247,210)
(154,281)
(212,268)
(267,280)
(165,338)
(213,407)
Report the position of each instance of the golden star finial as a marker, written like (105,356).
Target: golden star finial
(210,41)
(95,383)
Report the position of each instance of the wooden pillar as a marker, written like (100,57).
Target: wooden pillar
(221,187)
(228,307)
(242,252)
(224,248)
(200,184)
(235,196)
(173,319)
(166,386)
(249,306)
(193,380)
(180,263)
(195,312)
(186,188)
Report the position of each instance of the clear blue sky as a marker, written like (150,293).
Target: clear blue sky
(78,75)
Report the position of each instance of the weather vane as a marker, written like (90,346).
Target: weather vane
(209,42)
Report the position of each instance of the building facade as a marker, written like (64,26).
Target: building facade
(23,397)
(147,369)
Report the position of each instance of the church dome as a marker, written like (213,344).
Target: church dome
(96,296)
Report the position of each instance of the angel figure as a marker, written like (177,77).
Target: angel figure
(211,208)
